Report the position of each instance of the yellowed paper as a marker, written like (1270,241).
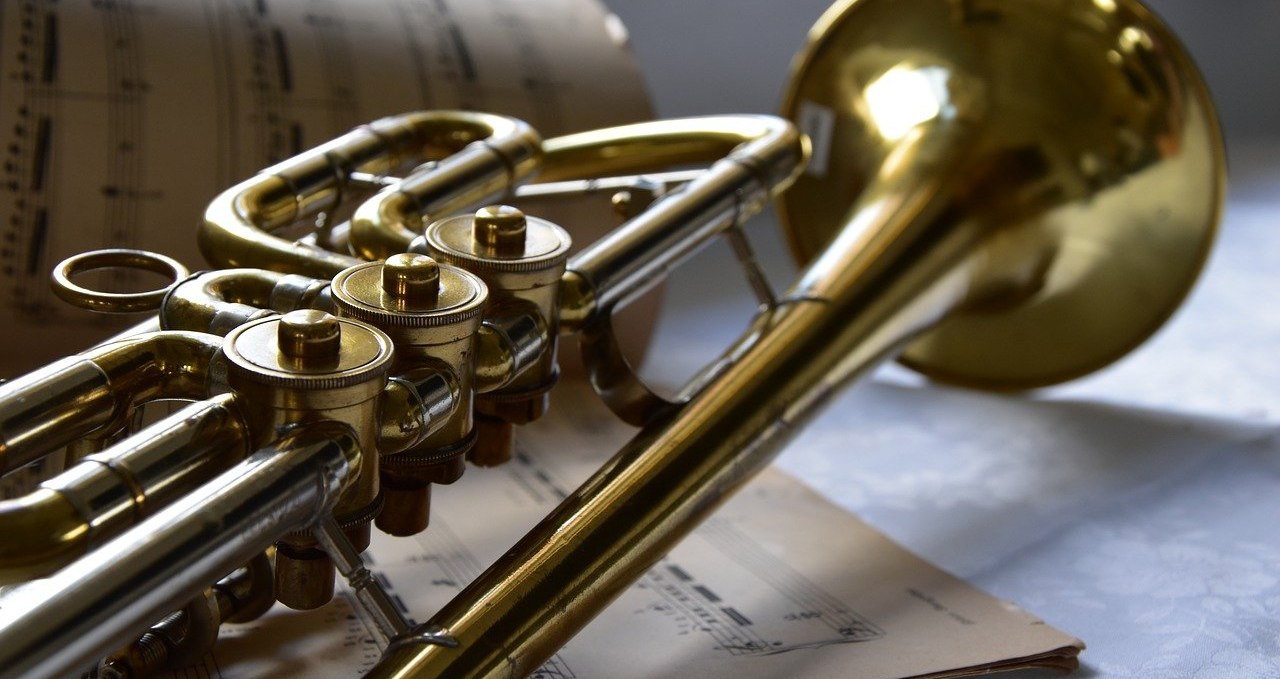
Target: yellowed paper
(121,120)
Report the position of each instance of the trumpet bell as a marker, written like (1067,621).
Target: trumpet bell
(1083,161)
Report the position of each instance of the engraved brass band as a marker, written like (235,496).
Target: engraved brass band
(999,219)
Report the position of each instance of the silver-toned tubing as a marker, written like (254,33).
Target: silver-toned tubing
(508,345)
(755,156)
(45,410)
(110,491)
(237,227)
(56,628)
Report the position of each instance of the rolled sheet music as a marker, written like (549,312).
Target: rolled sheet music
(122,119)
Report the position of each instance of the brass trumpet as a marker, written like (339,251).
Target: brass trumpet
(1003,194)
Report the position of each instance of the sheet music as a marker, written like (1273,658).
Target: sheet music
(777,583)
(121,119)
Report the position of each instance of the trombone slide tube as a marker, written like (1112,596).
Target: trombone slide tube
(59,627)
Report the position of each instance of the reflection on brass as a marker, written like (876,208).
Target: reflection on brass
(521,259)
(997,216)
(500,229)
(309,337)
(1023,217)
(411,280)
(115,302)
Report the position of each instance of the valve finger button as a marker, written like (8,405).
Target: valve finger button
(502,245)
(308,350)
(310,336)
(500,229)
(412,280)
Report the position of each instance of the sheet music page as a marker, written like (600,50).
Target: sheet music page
(120,120)
(778,583)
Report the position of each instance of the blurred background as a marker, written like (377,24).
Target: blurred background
(713,56)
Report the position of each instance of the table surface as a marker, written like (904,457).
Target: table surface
(1135,508)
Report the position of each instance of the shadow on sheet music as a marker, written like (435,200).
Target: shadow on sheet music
(1149,534)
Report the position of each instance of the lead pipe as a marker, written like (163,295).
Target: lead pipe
(59,627)
(45,410)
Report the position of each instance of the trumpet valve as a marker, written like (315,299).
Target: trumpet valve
(521,259)
(305,367)
(432,312)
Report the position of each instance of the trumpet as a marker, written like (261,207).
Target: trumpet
(1002,195)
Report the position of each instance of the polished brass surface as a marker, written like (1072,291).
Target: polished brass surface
(1014,193)
(119,258)
(108,492)
(512,251)
(59,626)
(310,337)
(218,302)
(362,292)
(413,281)
(435,347)
(1027,188)
(342,384)
(500,229)
(751,158)
(1073,144)
(480,156)
(521,259)
(98,391)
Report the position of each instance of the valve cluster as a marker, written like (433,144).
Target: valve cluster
(430,357)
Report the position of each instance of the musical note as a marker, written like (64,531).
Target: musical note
(121,119)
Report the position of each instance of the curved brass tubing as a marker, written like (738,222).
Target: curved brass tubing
(662,144)
(483,171)
(1062,197)
(479,154)
(107,493)
(220,301)
(45,410)
(753,157)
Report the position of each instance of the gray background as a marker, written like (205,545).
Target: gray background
(716,56)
